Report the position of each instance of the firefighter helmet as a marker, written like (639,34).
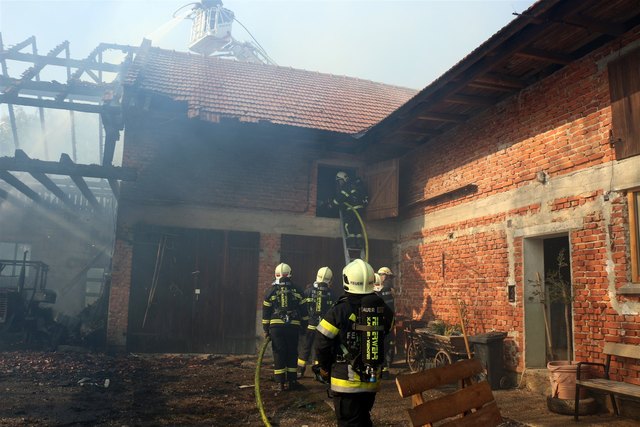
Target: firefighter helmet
(386,271)
(324,275)
(377,283)
(283,270)
(358,277)
(342,176)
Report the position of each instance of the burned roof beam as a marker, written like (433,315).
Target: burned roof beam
(20,186)
(545,55)
(81,183)
(59,105)
(84,91)
(45,180)
(61,62)
(61,168)
(12,116)
(30,73)
(29,41)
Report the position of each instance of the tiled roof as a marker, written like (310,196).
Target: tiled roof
(215,88)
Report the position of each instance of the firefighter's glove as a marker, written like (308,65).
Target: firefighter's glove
(320,374)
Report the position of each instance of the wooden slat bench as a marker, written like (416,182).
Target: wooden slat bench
(474,404)
(606,385)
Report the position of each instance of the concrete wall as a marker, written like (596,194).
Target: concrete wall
(471,248)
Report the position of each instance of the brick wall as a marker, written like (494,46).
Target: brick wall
(471,247)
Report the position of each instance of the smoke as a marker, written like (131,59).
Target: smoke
(164,29)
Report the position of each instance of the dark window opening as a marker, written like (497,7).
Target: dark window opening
(558,296)
(326,186)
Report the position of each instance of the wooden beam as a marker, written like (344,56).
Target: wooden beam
(20,186)
(33,71)
(545,55)
(46,181)
(59,168)
(81,183)
(58,105)
(84,92)
(442,117)
(471,100)
(22,44)
(491,86)
(61,62)
(596,26)
(501,80)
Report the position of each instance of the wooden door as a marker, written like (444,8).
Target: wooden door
(193,291)
(383,187)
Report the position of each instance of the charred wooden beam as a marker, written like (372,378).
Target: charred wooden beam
(12,116)
(61,168)
(30,73)
(61,62)
(442,117)
(545,55)
(59,105)
(20,186)
(471,100)
(45,180)
(30,41)
(84,91)
(81,183)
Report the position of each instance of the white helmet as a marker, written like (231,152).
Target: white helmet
(324,275)
(342,176)
(386,271)
(283,270)
(358,277)
(377,285)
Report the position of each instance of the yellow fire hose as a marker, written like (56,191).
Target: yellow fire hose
(364,232)
(257,383)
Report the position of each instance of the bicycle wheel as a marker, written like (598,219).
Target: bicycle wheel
(442,358)
(413,357)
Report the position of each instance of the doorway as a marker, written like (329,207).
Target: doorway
(547,300)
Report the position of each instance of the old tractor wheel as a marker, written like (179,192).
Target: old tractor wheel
(442,358)
(413,357)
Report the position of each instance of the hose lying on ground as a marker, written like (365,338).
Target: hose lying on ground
(257,383)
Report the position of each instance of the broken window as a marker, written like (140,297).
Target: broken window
(634,229)
(624,87)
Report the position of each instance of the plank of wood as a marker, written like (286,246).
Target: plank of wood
(488,416)
(431,378)
(458,402)
(622,350)
(610,386)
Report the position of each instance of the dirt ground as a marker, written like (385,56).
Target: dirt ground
(75,388)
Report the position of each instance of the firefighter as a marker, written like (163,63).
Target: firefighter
(282,317)
(386,293)
(351,198)
(317,299)
(349,348)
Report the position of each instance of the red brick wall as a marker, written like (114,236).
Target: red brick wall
(560,126)
(119,295)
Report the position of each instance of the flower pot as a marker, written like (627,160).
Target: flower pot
(562,374)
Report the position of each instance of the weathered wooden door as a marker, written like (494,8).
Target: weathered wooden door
(383,187)
(193,291)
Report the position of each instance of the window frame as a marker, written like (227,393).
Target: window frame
(633,200)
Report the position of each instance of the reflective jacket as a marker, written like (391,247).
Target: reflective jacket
(317,299)
(335,334)
(282,306)
(352,195)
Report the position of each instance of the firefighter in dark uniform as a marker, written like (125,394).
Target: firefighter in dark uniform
(317,299)
(385,291)
(350,346)
(351,198)
(282,317)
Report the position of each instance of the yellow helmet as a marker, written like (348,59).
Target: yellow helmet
(358,277)
(324,275)
(386,271)
(283,270)
(342,176)
(377,283)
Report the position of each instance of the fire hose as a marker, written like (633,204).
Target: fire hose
(257,383)
(364,232)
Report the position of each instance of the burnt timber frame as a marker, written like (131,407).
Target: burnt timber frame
(94,96)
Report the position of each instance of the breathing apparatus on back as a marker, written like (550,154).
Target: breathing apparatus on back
(365,350)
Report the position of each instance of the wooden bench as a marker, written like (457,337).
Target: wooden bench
(472,405)
(607,385)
